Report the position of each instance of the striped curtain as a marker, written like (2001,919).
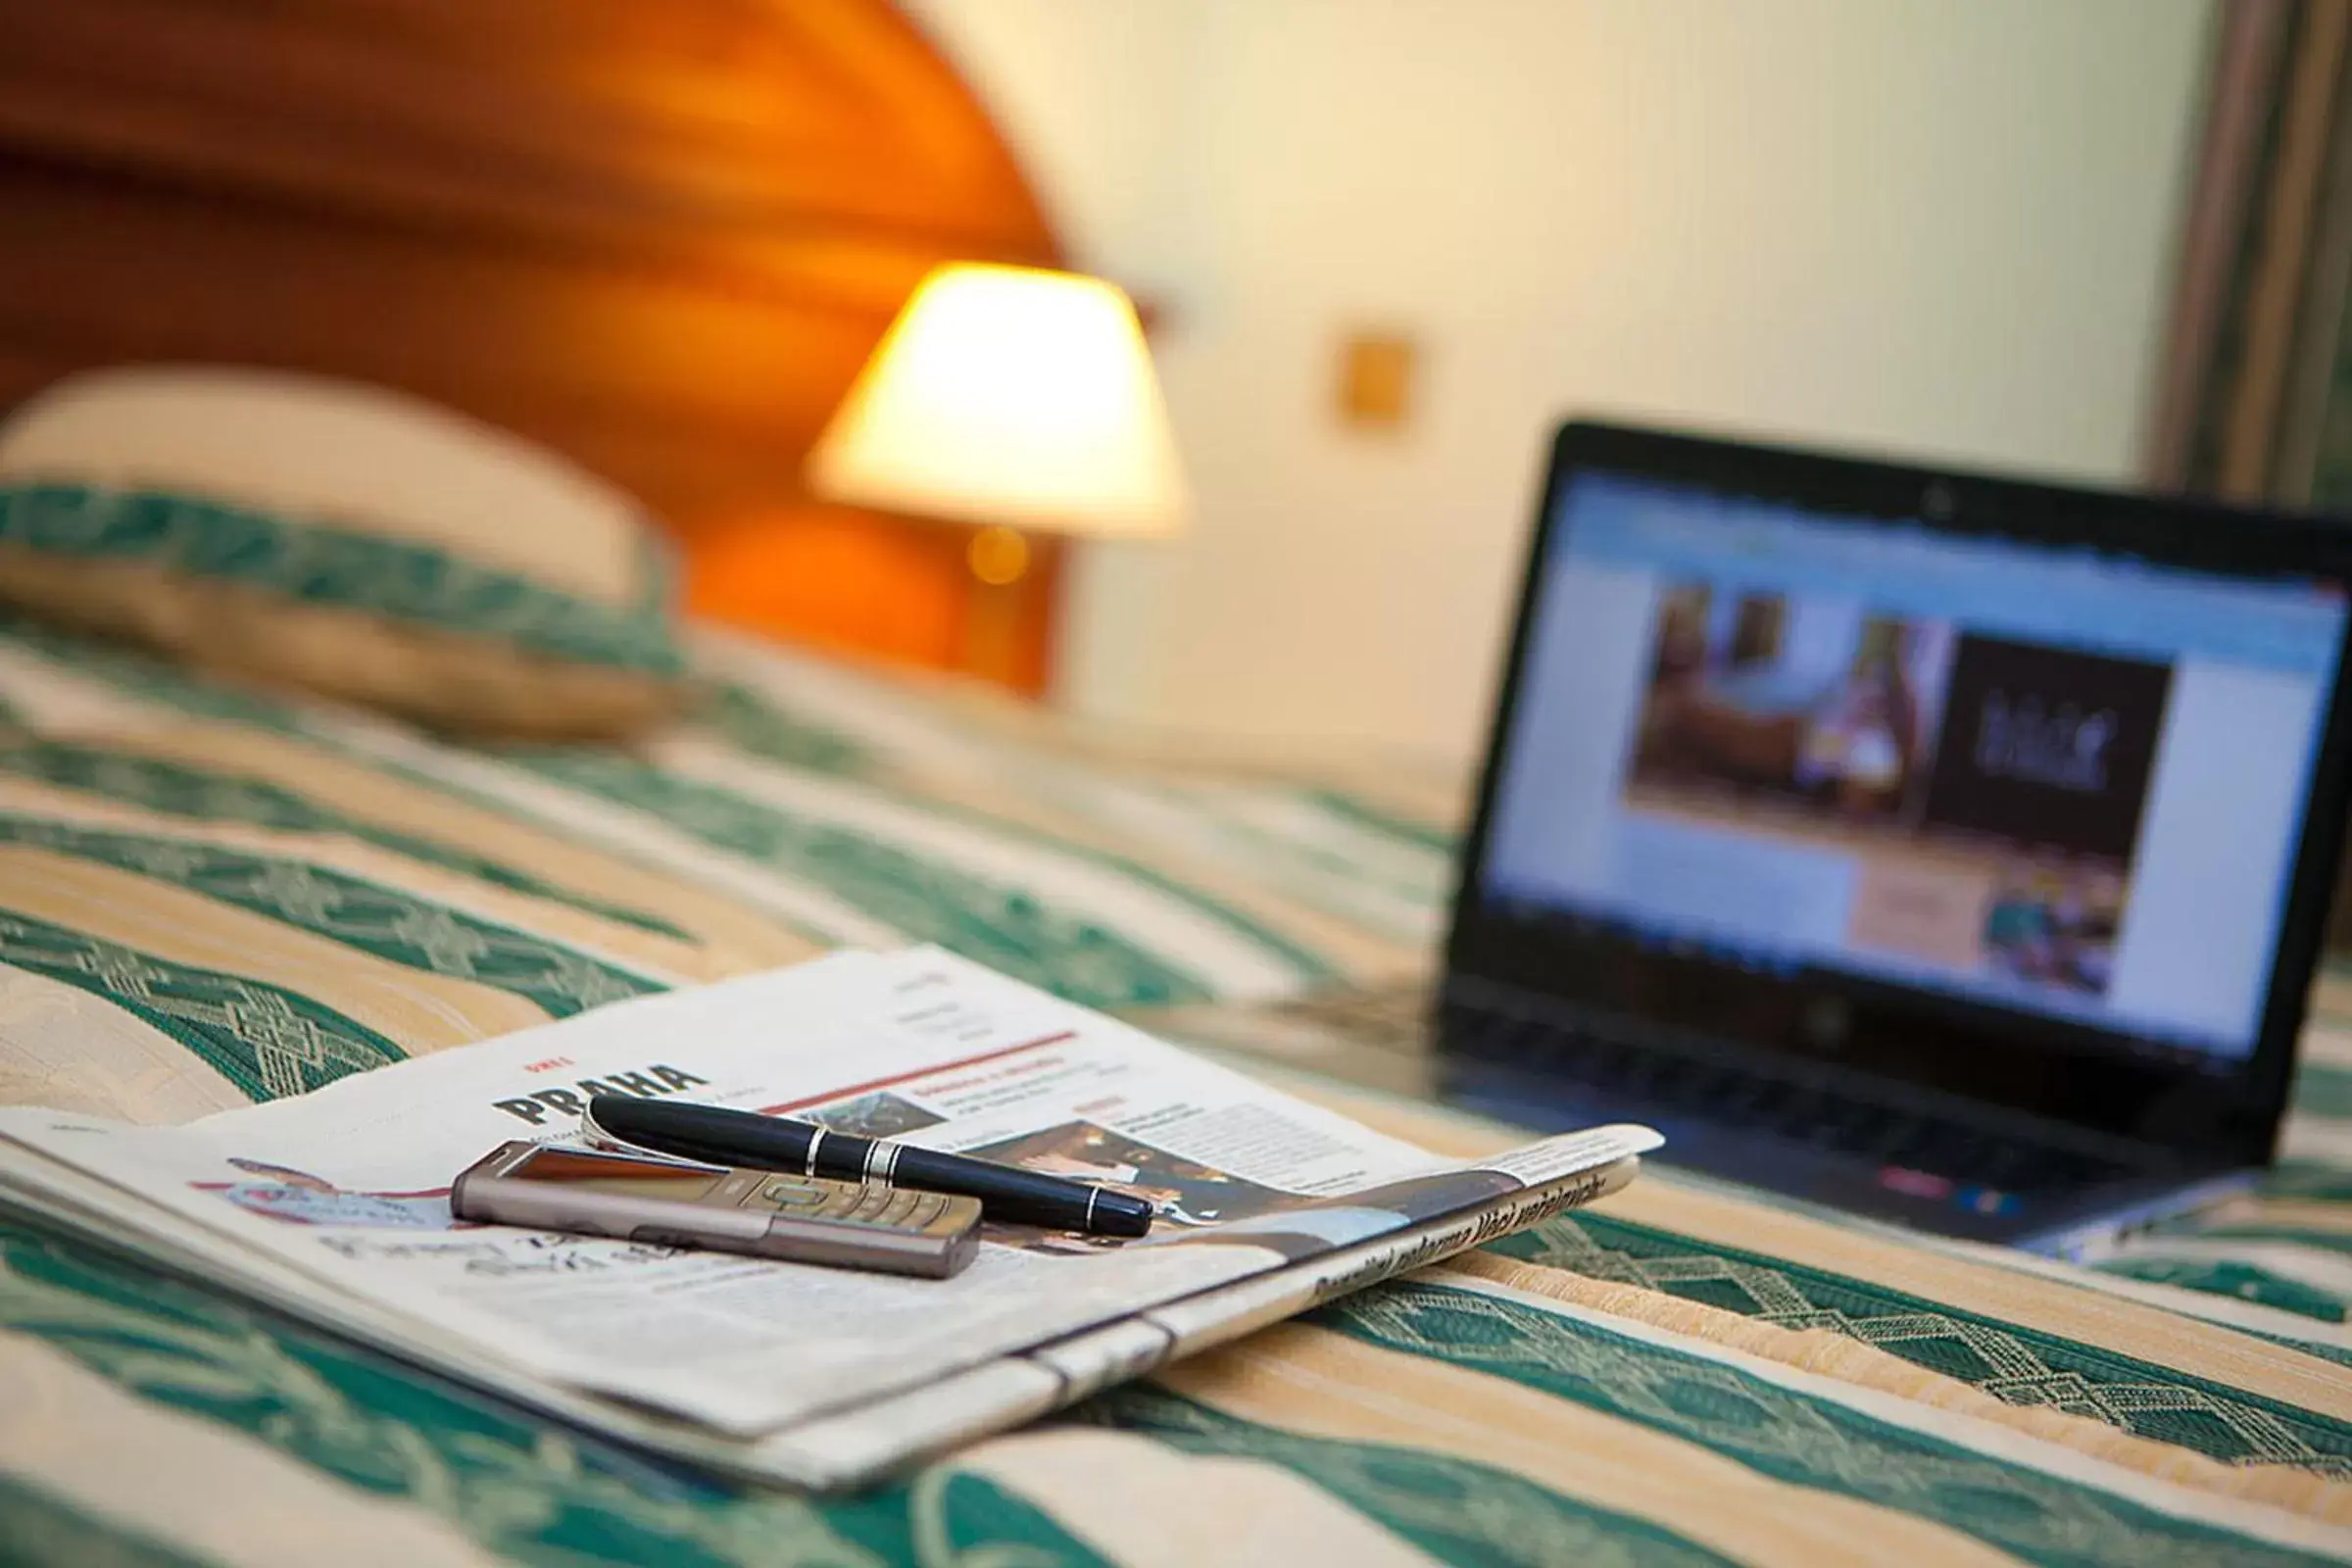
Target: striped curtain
(2256,398)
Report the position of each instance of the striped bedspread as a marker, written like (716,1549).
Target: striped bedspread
(209,897)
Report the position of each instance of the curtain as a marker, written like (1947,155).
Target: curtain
(2255,402)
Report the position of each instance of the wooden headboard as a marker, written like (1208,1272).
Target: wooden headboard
(658,235)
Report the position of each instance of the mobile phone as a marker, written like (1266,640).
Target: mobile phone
(805,1220)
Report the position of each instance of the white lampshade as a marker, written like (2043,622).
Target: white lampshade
(1012,395)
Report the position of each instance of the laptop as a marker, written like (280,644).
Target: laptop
(1945,849)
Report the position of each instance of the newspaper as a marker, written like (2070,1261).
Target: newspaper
(335,1205)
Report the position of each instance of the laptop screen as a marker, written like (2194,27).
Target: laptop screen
(2061,782)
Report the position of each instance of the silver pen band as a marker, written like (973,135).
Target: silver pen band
(816,1136)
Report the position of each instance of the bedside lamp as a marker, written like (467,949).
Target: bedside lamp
(1013,398)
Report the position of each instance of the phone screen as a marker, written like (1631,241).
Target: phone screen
(623,1175)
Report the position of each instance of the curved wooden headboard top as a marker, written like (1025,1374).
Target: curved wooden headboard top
(659,235)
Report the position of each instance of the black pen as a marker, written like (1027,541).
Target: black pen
(745,1139)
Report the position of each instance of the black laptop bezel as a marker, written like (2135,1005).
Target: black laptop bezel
(2195,1109)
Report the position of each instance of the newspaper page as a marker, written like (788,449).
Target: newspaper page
(347,1188)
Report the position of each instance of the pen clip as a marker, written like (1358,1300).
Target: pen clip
(593,1133)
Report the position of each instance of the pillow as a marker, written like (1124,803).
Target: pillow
(343,538)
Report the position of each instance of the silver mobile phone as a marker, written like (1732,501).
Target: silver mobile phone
(807,1219)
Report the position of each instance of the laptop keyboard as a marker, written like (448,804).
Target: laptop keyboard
(1775,1108)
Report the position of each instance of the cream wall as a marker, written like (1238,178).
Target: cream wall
(1934,226)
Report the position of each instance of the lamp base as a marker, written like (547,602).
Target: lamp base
(998,558)
(992,634)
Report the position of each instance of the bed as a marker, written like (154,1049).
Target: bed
(211,894)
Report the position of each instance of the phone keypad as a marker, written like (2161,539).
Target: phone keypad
(865,1204)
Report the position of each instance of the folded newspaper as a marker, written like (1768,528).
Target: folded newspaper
(335,1206)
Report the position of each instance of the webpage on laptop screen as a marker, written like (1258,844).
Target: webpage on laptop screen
(2054,780)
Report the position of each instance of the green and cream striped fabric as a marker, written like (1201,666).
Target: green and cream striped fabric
(322,562)
(208,897)
(343,539)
